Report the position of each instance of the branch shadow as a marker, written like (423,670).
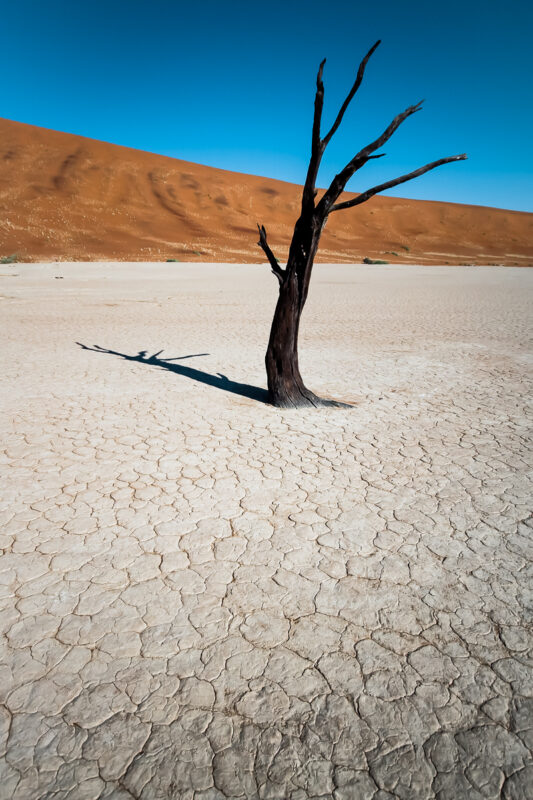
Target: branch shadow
(219,381)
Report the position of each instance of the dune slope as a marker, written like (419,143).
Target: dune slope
(66,197)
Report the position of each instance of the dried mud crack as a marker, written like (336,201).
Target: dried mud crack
(206,598)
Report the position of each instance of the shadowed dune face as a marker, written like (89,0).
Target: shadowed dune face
(66,197)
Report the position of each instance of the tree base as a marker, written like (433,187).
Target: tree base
(304,398)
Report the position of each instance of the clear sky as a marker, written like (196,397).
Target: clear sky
(231,84)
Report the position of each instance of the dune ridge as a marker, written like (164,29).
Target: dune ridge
(66,197)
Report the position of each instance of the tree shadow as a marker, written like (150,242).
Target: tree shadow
(219,380)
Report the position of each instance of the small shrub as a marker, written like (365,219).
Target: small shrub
(404,246)
(9,259)
(390,253)
(170,260)
(373,261)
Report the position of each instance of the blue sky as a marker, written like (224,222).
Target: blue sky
(231,84)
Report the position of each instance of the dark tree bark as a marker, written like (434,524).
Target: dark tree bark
(285,385)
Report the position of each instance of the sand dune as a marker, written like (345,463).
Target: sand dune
(65,197)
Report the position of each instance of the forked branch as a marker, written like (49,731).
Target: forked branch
(362,198)
(319,145)
(360,159)
(276,269)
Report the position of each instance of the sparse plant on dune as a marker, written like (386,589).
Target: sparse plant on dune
(12,259)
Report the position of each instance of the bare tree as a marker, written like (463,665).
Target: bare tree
(285,384)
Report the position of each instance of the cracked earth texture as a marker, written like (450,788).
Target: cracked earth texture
(206,598)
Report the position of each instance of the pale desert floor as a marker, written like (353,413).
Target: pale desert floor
(205,597)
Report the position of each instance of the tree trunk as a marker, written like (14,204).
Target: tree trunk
(285,385)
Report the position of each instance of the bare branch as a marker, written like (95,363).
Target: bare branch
(387,133)
(362,198)
(355,87)
(319,103)
(317,149)
(276,269)
(359,160)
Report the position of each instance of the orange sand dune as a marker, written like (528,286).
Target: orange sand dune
(65,197)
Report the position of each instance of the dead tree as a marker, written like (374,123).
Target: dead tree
(285,385)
